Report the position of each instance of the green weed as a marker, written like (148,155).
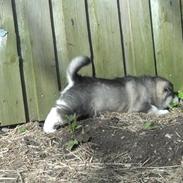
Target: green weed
(180,94)
(148,125)
(22,129)
(73,126)
(71,144)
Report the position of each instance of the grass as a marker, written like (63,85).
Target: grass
(180,94)
(149,125)
(73,126)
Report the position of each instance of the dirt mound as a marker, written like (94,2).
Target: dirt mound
(110,148)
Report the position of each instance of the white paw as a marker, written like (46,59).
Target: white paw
(162,112)
(53,118)
(155,110)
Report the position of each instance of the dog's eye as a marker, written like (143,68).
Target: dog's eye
(166,89)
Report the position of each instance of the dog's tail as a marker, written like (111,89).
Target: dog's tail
(75,65)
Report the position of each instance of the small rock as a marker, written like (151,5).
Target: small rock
(5,130)
(169,135)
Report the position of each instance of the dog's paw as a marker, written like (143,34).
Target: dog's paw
(155,110)
(53,119)
(162,112)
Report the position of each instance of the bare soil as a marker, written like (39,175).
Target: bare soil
(113,147)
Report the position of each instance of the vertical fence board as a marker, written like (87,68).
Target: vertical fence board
(105,34)
(138,46)
(11,100)
(38,56)
(71,33)
(168,39)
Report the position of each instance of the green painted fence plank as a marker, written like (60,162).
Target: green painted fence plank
(137,34)
(168,39)
(38,55)
(11,100)
(105,34)
(71,33)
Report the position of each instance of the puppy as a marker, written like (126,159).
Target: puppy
(89,96)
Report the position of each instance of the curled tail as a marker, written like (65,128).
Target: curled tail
(75,65)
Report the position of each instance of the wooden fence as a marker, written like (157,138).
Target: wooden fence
(39,37)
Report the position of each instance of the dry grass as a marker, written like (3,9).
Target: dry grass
(27,155)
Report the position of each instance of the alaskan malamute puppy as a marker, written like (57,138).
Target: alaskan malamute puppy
(88,96)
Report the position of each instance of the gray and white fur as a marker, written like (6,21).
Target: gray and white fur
(90,96)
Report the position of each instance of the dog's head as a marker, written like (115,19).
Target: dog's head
(164,93)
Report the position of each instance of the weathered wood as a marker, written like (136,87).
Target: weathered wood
(137,34)
(70,25)
(105,34)
(38,56)
(168,39)
(11,100)
(71,33)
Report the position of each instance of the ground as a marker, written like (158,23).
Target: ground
(113,147)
